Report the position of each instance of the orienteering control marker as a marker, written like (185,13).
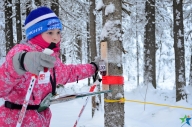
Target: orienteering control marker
(104,57)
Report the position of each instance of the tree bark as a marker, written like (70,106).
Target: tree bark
(28,7)
(149,45)
(93,46)
(55,6)
(190,72)
(38,3)
(114,112)
(179,49)
(8,25)
(88,46)
(18,21)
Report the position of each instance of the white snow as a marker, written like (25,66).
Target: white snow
(99,5)
(109,9)
(111,30)
(136,114)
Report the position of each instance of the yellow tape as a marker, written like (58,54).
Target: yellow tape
(123,100)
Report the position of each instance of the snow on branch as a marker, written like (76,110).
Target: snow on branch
(109,9)
(99,5)
(111,30)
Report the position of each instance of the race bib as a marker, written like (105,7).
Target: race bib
(44,77)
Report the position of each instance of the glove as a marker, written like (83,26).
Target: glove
(33,62)
(96,62)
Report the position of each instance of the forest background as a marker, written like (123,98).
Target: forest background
(155,36)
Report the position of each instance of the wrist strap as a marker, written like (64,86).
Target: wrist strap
(95,66)
(53,82)
(95,76)
(22,61)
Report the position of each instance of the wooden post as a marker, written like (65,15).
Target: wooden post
(104,57)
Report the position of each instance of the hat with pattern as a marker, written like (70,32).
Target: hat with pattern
(40,20)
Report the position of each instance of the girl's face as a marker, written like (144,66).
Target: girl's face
(52,36)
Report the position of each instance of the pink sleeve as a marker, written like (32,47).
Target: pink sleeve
(72,73)
(8,76)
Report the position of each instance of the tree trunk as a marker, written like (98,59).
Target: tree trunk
(190,72)
(114,112)
(28,7)
(18,21)
(8,25)
(93,46)
(79,50)
(149,45)
(88,46)
(55,6)
(138,48)
(179,49)
(63,55)
(38,3)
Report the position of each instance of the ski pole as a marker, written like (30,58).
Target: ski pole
(92,88)
(26,101)
(29,91)
(102,70)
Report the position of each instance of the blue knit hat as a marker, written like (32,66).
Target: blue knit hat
(41,20)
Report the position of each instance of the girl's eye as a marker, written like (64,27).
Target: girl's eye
(50,33)
(58,32)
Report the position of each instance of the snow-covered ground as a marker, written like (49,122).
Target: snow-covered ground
(136,114)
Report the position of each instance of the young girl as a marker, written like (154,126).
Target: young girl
(43,30)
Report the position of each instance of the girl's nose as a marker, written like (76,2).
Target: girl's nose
(55,38)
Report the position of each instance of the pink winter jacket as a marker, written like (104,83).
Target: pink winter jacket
(13,87)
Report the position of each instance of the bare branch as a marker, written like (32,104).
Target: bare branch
(124,2)
(126,11)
